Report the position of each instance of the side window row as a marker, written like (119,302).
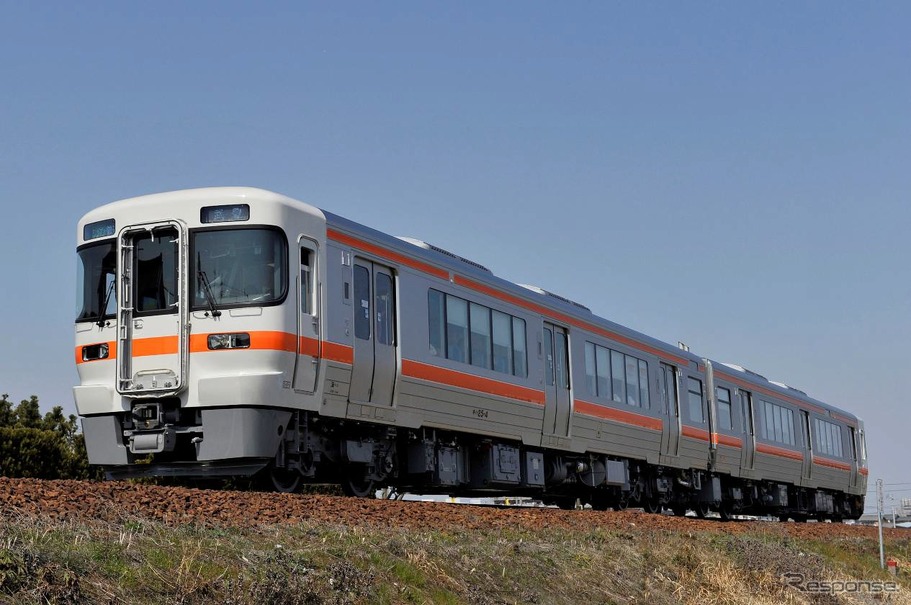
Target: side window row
(616,376)
(471,333)
(777,423)
(828,438)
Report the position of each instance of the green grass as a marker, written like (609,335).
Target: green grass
(142,561)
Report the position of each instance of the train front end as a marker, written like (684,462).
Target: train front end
(188,336)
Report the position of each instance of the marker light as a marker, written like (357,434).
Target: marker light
(229,341)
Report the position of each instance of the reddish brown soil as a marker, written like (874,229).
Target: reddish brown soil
(118,501)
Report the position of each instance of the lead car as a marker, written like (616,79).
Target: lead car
(239,332)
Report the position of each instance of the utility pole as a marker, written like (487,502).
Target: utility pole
(879,512)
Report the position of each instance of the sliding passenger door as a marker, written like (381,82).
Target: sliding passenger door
(375,364)
(670,406)
(747,428)
(807,445)
(557,405)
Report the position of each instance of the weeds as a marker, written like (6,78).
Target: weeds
(143,561)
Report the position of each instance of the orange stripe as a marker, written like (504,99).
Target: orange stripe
(387,254)
(777,451)
(621,416)
(694,433)
(338,352)
(158,345)
(863,471)
(831,463)
(728,440)
(308,346)
(112,352)
(440,375)
(515,300)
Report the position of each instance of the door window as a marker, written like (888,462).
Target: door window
(306,282)
(385,314)
(562,360)
(549,354)
(155,271)
(362,300)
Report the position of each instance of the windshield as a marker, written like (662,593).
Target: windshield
(239,267)
(96,270)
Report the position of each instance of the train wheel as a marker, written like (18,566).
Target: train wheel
(355,483)
(285,481)
(702,509)
(679,510)
(652,506)
(726,512)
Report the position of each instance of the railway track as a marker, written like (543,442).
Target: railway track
(114,501)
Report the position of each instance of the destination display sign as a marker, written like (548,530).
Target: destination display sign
(225,214)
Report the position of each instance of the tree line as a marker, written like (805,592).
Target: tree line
(46,447)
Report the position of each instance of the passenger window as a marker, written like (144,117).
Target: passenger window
(779,424)
(590,369)
(643,385)
(456,329)
(362,300)
(617,374)
(480,336)
(437,322)
(694,391)
(502,343)
(632,381)
(602,359)
(518,348)
(723,397)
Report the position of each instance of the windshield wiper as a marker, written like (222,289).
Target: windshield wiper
(207,289)
(104,307)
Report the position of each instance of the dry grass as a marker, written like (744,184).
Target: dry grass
(142,561)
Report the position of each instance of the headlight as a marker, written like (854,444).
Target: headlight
(229,341)
(93,352)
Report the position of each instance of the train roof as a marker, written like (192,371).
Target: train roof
(475,270)
(148,208)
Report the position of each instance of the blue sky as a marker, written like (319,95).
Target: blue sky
(731,175)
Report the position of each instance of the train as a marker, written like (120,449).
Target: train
(237,332)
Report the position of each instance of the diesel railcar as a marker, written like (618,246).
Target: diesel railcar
(236,331)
